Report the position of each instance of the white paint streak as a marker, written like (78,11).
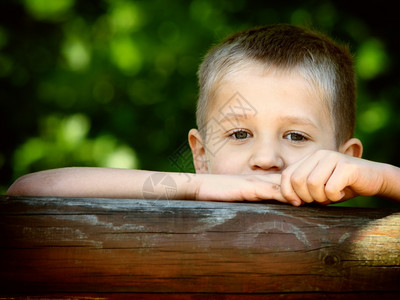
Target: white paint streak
(94,221)
(284,227)
(344,237)
(215,218)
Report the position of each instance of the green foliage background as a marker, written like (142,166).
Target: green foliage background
(112,83)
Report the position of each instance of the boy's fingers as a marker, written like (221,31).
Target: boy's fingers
(336,185)
(274,193)
(300,186)
(287,189)
(317,180)
(270,188)
(296,179)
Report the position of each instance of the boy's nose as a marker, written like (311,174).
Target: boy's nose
(266,157)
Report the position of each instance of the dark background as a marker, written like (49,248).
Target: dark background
(113,83)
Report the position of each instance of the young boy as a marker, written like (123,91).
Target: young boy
(276,115)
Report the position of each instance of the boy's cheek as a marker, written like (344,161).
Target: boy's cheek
(225,163)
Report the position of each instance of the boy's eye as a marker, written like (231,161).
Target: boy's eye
(296,137)
(240,135)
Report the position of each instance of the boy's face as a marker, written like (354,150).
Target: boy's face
(262,122)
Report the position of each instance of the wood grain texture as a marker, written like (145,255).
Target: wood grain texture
(110,248)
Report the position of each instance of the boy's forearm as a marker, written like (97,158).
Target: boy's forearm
(104,182)
(391,183)
(124,183)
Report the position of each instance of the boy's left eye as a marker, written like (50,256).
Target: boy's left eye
(240,134)
(296,137)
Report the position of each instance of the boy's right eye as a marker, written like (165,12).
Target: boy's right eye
(240,134)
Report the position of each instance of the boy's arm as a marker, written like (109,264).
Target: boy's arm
(391,182)
(126,183)
(82,182)
(329,176)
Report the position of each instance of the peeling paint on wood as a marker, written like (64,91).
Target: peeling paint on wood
(68,246)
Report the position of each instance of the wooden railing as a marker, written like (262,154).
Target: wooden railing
(114,248)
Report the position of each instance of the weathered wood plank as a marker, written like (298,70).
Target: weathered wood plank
(113,246)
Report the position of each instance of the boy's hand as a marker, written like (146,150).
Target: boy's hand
(329,176)
(215,187)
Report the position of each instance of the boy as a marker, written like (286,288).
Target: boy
(276,115)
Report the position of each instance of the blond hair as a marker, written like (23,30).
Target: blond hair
(325,64)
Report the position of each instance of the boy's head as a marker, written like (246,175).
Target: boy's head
(270,96)
(327,66)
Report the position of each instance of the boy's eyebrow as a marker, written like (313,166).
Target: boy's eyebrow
(299,120)
(229,117)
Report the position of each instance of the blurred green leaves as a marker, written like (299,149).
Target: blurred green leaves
(372,59)
(126,55)
(113,82)
(49,9)
(375,117)
(64,142)
(125,16)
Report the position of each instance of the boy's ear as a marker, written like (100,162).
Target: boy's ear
(352,147)
(198,151)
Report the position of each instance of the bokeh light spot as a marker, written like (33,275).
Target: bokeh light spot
(48,9)
(374,118)
(126,55)
(77,54)
(125,16)
(122,157)
(371,59)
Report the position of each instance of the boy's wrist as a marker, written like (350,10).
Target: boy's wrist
(187,185)
(193,186)
(390,175)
